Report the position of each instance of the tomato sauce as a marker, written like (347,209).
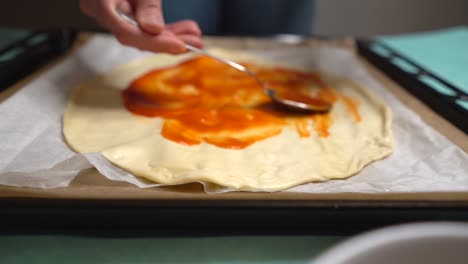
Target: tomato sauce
(203,100)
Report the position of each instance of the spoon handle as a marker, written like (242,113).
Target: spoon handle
(223,60)
(233,64)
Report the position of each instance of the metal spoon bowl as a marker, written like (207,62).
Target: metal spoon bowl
(284,103)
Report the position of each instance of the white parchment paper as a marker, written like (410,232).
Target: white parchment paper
(34,154)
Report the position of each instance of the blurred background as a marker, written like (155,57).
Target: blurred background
(328,17)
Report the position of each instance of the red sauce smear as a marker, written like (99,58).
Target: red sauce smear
(203,100)
(352,107)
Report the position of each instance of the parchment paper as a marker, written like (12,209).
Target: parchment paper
(34,154)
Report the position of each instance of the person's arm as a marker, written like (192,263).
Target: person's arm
(152,34)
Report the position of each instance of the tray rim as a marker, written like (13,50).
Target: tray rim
(445,199)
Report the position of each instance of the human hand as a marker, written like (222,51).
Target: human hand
(152,34)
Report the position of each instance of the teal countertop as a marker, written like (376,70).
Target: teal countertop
(443,52)
(102,250)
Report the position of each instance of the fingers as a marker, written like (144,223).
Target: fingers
(187,31)
(165,41)
(170,40)
(151,34)
(125,7)
(189,27)
(195,41)
(149,15)
(103,11)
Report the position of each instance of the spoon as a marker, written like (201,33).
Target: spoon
(289,101)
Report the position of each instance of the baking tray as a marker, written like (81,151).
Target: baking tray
(451,102)
(97,208)
(169,218)
(22,52)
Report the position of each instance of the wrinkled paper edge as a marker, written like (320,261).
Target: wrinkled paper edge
(63,173)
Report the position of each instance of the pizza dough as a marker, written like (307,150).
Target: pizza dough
(358,132)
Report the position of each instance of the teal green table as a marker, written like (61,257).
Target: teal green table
(443,52)
(240,249)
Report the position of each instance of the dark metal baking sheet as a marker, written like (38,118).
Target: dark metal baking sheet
(225,214)
(445,105)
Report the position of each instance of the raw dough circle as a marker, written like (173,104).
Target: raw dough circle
(95,120)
